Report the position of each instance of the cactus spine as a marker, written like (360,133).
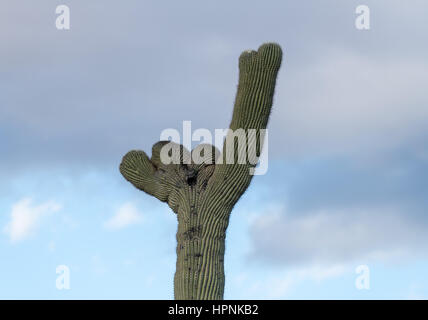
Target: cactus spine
(203,195)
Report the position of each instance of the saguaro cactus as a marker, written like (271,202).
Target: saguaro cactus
(203,195)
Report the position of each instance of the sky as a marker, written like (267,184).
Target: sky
(347,183)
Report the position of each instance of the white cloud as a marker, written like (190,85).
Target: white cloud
(341,236)
(126,215)
(280,285)
(25,218)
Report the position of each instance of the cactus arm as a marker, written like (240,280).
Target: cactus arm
(253,103)
(257,77)
(137,168)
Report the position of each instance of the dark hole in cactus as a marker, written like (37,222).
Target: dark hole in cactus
(191,177)
(191,181)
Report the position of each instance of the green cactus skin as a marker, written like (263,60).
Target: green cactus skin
(203,195)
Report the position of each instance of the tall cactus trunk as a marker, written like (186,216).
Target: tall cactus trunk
(200,244)
(203,193)
(200,263)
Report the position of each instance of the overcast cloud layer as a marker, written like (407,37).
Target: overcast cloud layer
(123,73)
